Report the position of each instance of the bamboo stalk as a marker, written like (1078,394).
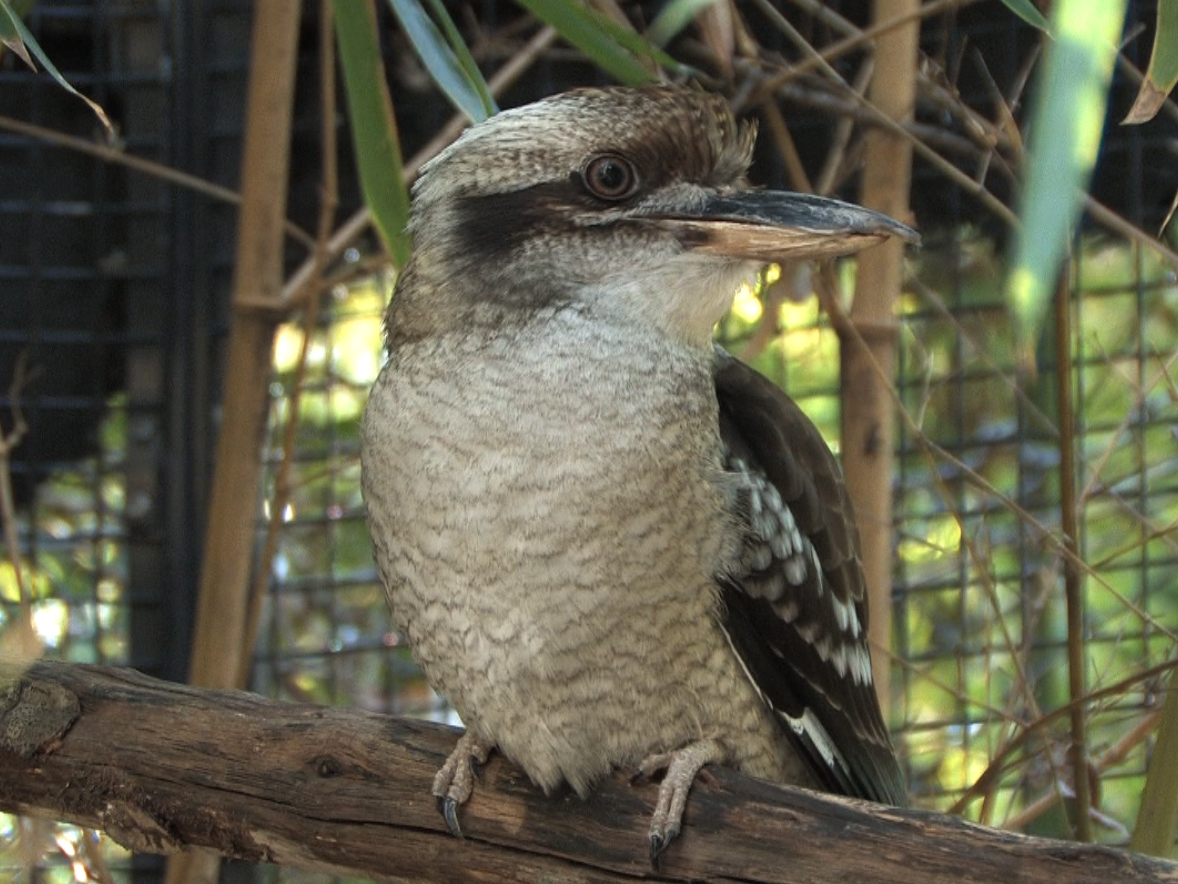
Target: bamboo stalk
(257,281)
(1073,575)
(218,640)
(328,204)
(869,360)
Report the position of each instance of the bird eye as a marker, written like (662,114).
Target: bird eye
(611,177)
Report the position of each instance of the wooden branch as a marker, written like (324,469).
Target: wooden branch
(165,768)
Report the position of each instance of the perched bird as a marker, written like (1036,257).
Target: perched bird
(608,542)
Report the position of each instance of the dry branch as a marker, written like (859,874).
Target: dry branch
(164,768)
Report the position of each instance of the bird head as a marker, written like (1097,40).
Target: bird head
(628,204)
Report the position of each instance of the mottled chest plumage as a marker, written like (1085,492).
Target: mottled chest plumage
(550,534)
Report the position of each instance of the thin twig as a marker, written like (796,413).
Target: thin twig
(139,164)
(1073,577)
(1111,757)
(858,39)
(1114,443)
(1102,214)
(998,762)
(877,117)
(982,354)
(8,443)
(843,129)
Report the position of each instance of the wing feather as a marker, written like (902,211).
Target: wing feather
(794,604)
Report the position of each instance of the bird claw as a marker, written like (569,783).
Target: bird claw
(657,846)
(454,783)
(660,841)
(681,767)
(448,808)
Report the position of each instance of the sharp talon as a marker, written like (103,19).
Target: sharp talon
(449,808)
(670,834)
(455,781)
(659,842)
(680,768)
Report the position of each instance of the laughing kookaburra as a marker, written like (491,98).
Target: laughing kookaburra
(609,543)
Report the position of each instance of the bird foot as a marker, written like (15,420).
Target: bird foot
(454,783)
(681,767)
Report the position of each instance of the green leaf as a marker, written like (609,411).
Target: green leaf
(17,37)
(1162,76)
(463,85)
(674,17)
(10,36)
(599,38)
(1066,125)
(1027,11)
(465,59)
(643,47)
(374,128)
(1157,820)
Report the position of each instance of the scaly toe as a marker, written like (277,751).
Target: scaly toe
(681,767)
(454,783)
(651,765)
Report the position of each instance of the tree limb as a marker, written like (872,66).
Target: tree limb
(164,768)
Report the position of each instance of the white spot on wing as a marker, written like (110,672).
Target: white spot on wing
(810,728)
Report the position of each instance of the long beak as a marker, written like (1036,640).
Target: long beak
(772,225)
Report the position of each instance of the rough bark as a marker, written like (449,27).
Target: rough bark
(166,768)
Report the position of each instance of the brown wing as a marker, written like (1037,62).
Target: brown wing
(795,610)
